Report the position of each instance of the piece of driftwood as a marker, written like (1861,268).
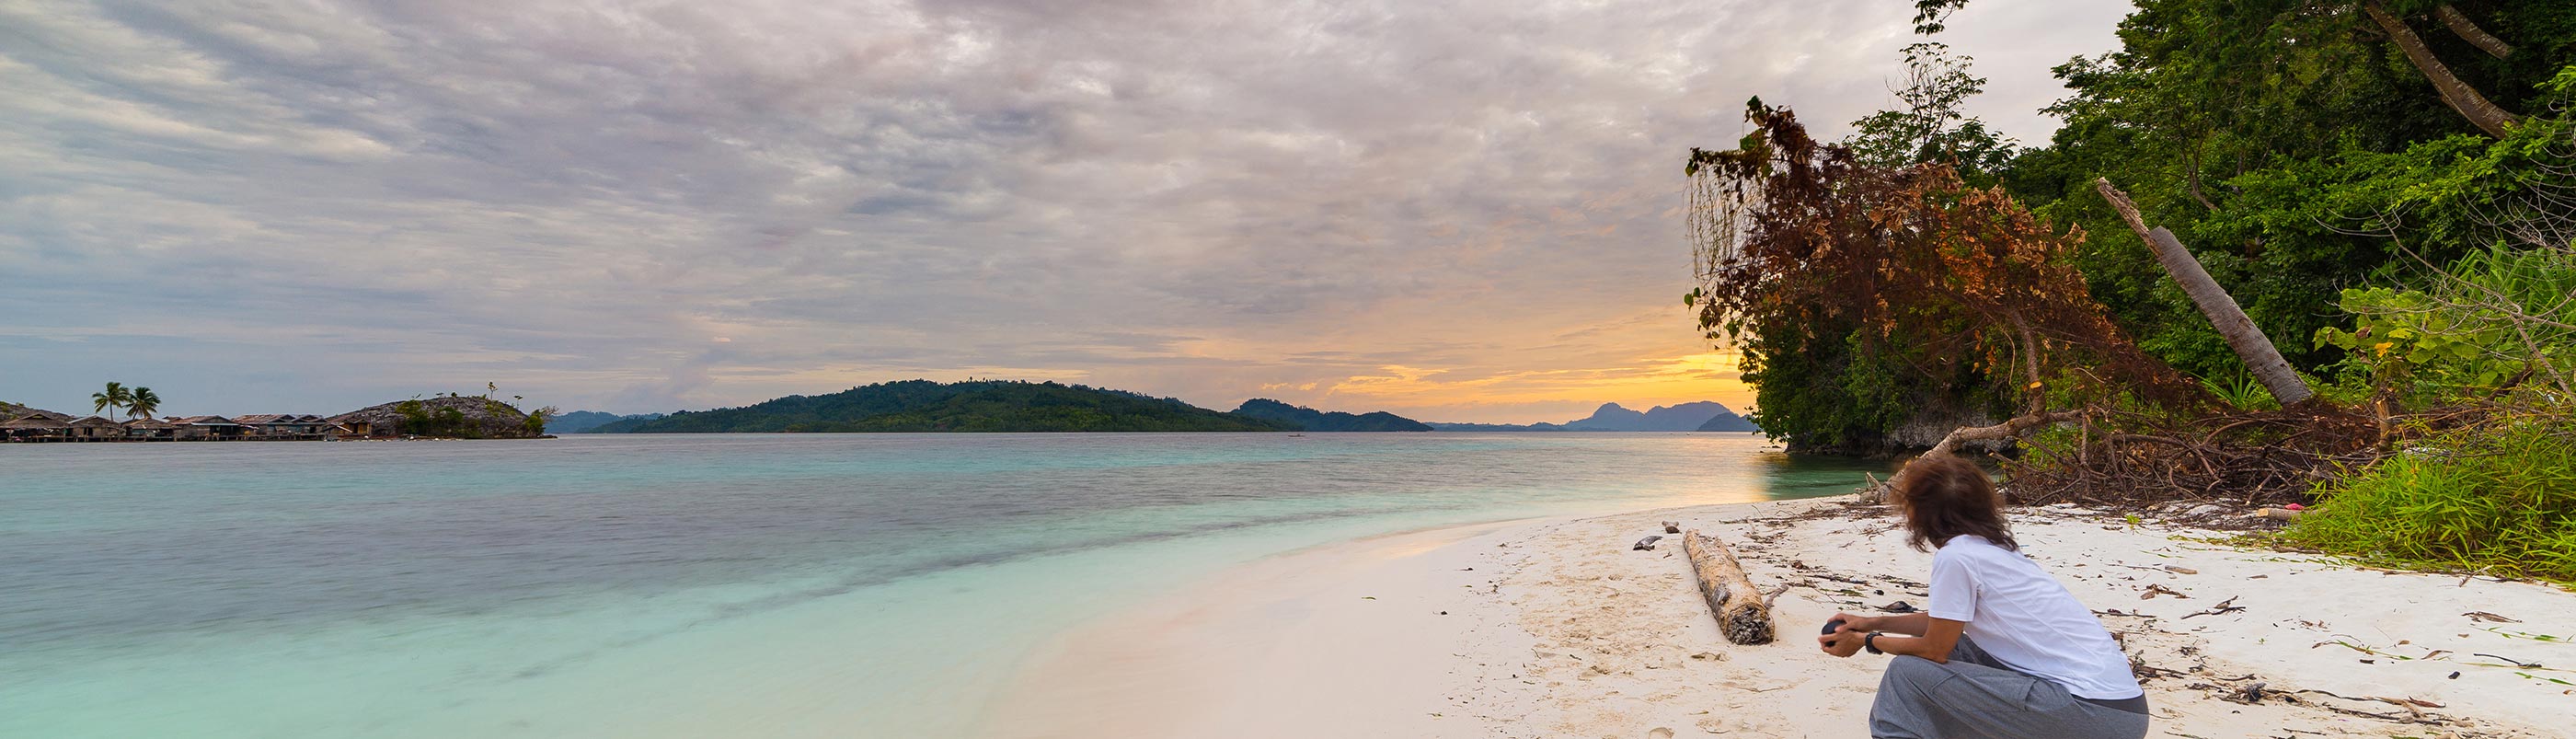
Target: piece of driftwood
(1741,612)
(1672,527)
(1646,544)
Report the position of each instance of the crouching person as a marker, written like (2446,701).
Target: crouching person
(2004,651)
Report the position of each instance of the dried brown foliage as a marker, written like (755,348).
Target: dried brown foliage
(1793,233)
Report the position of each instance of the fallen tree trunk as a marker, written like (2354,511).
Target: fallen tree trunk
(2012,428)
(1741,612)
(2214,302)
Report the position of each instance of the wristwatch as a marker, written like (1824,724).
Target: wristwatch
(1871,642)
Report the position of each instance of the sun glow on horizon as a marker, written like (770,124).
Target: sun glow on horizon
(1525,396)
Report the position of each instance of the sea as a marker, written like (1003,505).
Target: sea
(859,585)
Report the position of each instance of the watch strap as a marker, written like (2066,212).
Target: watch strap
(1871,643)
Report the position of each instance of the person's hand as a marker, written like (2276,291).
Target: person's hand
(1845,641)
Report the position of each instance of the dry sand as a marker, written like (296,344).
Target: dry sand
(1558,629)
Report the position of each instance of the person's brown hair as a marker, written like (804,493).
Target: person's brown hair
(1945,497)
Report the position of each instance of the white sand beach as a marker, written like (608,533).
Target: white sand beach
(1557,629)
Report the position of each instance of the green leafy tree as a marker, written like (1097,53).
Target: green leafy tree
(535,424)
(1933,125)
(2275,137)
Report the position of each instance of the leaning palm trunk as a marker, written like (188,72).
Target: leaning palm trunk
(2459,95)
(2214,302)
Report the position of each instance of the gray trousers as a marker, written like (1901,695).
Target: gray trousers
(1975,696)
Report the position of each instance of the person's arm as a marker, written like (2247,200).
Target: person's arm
(1938,637)
(1909,624)
(1846,640)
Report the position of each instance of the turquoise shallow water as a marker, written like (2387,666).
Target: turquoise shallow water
(822,585)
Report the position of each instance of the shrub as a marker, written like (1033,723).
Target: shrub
(2500,500)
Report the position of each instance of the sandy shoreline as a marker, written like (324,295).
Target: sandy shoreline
(1555,628)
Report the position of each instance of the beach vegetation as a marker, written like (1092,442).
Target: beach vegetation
(2498,498)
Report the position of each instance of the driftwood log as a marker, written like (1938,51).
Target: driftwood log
(1742,613)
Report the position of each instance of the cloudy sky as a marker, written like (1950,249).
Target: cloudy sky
(1459,211)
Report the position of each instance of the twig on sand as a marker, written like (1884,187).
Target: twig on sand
(2224,606)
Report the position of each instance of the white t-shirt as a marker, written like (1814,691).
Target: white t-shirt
(2028,621)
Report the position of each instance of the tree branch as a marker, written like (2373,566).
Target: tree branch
(2469,31)
(2459,95)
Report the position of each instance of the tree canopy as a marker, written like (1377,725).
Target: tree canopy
(2298,148)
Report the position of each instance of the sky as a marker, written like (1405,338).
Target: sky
(1456,211)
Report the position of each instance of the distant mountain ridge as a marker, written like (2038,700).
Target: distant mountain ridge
(974,406)
(1309,419)
(1700,416)
(583,422)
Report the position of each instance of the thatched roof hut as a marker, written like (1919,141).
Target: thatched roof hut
(33,426)
(146,424)
(34,423)
(95,427)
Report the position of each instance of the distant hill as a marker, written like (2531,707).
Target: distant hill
(583,422)
(1683,417)
(1439,426)
(1726,420)
(1700,416)
(1309,419)
(9,411)
(922,405)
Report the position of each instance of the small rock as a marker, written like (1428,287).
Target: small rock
(2205,509)
(1659,733)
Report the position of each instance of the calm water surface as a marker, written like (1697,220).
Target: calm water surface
(812,585)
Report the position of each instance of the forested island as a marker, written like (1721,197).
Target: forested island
(1309,419)
(974,406)
(2281,251)
(1706,415)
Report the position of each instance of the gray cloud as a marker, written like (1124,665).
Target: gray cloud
(642,206)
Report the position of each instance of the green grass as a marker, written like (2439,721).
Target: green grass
(2497,500)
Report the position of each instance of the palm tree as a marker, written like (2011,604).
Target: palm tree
(116,396)
(142,404)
